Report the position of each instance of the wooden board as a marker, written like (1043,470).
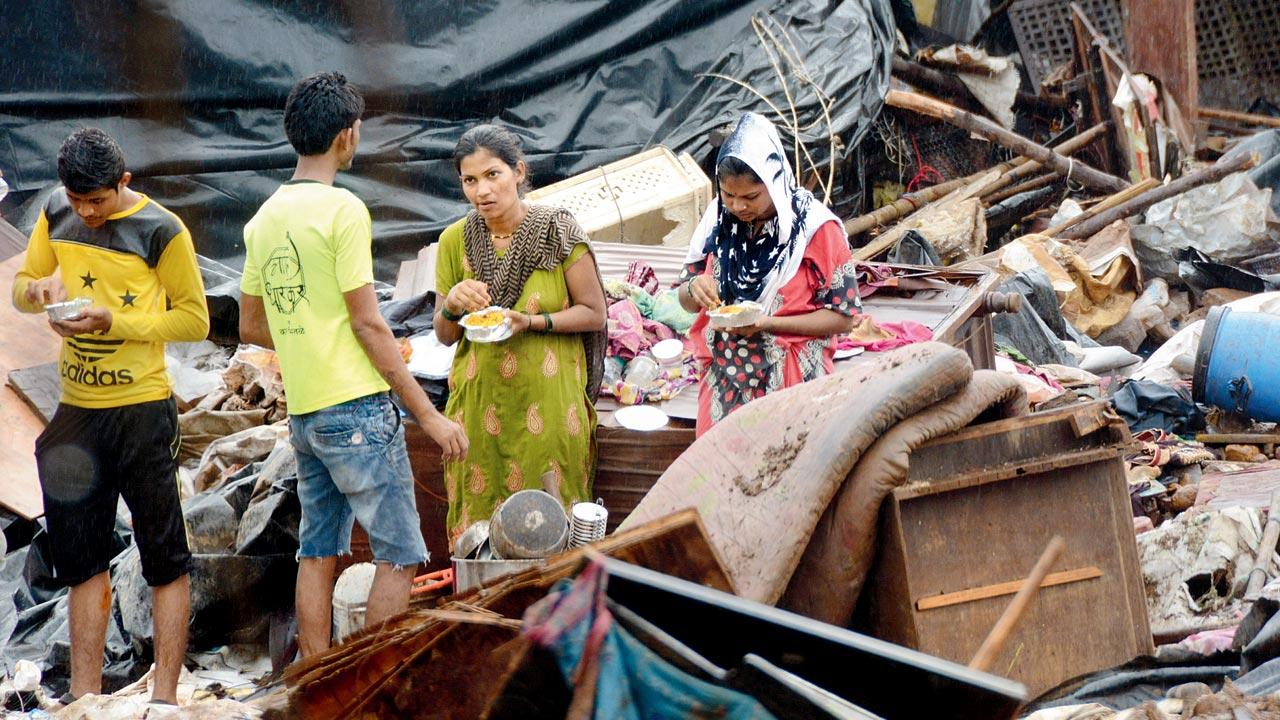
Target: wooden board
(1161,38)
(40,387)
(25,340)
(977,508)
(12,241)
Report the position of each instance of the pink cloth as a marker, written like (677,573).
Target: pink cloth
(1210,641)
(904,333)
(630,333)
(641,274)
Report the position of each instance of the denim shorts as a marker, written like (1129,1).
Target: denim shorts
(353,465)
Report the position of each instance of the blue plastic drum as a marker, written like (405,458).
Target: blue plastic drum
(1238,364)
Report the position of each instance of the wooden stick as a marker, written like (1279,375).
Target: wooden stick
(1027,169)
(1248,118)
(1092,98)
(1012,170)
(1006,588)
(943,83)
(983,127)
(1136,205)
(995,641)
(905,205)
(1107,203)
(1267,548)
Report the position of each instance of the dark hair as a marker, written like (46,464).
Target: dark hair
(319,107)
(504,144)
(90,160)
(735,167)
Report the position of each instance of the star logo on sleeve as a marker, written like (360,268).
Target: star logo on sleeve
(126,300)
(88,279)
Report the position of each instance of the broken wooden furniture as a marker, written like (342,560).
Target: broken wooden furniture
(890,681)
(427,661)
(976,510)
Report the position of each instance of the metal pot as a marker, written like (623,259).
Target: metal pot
(530,524)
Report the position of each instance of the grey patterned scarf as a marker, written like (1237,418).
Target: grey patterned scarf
(542,241)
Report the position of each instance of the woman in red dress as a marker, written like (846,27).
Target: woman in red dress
(768,240)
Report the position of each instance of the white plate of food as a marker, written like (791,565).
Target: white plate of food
(736,314)
(641,417)
(486,326)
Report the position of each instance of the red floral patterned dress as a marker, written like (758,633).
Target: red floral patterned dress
(740,369)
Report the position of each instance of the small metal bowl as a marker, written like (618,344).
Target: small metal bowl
(486,333)
(750,314)
(68,310)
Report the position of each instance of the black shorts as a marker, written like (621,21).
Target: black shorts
(88,459)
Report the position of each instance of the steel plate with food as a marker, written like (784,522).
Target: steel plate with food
(488,325)
(736,315)
(68,310)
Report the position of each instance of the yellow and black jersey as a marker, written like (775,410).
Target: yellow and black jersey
(140,265)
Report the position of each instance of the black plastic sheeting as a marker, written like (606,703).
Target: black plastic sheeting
(195,92)
(242,575)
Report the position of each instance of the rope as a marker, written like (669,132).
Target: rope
(924,172)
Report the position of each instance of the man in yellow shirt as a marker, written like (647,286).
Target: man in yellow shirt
(307,291)
(115,433)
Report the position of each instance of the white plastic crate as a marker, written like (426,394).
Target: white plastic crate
(653,198)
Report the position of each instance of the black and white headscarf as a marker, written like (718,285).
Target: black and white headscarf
(755,268)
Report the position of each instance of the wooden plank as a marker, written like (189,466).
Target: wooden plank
(40,387)
(12,241)
(24,340)
(1161,38)
(404,280)
(1238,438)
(1005,588)
(425,277)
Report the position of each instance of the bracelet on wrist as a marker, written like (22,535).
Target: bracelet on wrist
(546,319)
(444,312)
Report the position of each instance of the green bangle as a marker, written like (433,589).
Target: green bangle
(444,311)
(546,318)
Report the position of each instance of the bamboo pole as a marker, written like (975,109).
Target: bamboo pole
(1107,203)
(1012,615)
(1140,203)
(1248,118)
(907,204)
(1087,174)
(1012,170)
(1068,147)
(1267,548)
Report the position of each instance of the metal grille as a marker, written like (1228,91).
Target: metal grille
(1238,51)
(1237,43)
(1043,31)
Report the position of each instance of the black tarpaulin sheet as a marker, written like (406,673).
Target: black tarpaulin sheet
(195,91)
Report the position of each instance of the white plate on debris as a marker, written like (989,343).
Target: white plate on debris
(641,417)
(848,353)
(431,359)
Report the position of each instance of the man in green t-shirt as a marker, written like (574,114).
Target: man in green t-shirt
(308,293)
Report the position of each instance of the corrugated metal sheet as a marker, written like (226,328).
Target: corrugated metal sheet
(666,261)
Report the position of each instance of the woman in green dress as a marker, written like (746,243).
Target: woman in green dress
(527,402)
